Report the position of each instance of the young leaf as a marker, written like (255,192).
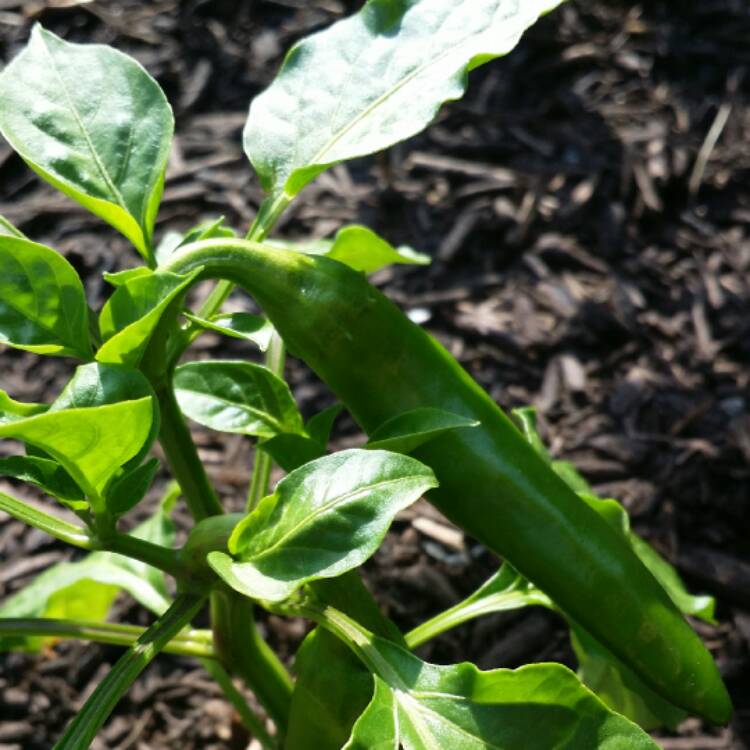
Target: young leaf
(324,519)
(87,589)
(236,397)
(91,444)
(406,432)
(374,79)
(12,410)
(42,304)
(239,326)
(97,384)
(131,488)
(319,426)
(48,475)
(6,228)
(204,231)
(422,706)
(130,316)
(93,123)
(359,248)
(120,278)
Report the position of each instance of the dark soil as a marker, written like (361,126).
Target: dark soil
(591,257)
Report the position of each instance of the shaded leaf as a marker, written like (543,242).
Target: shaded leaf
(240,397)
(127,491)
(48,475)
(291,451)
(319,426)
(239,326)
(93,123)
(324,519)
(42,304)
(406,432)
(130,316)
(372,80)
(423,706)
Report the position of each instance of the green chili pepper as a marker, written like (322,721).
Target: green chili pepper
(492,483)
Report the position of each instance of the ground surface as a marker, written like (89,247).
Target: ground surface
(585,262)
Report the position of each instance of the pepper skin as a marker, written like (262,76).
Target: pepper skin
(492,483)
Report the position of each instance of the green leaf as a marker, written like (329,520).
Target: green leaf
(131,488)
(239,326)
(374,79)
(6,228)
(86,590)
(91,444)
(47,475)
(130,316)
(291,451)
(319,426)
(120,278)
(406,432)
(239,397)
(324,519)
(359,248)
(97,384)
(42,304)
(93,123)
(207,230)
(12,410)
(422,706)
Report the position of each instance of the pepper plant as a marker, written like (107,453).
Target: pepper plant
(93,123)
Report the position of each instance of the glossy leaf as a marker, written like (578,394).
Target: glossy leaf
(359,248)
(12,410)
(127,491)
(291,451)
(406,432)
(324,519)
(207,230)
(42,304)
(7,229)
(422,706)
(91,444)
(239,397)
(374,79)
(97,384)
(239,326)
(46,474)
(130,316)
(94,124)
(86,590)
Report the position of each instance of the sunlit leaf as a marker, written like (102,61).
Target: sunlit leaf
(6,228)
(42,304)
(92,122)
(374,79)
(324,519)
(205,231)
(239,326)
(46,474)
(12,410)
(239,397)
(130,316)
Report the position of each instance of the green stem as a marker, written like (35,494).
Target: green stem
(242,650)
(275,360)
(189,643)
(252,722)
(81,731)
(183,458)
(461,613)
(52,525)
(163,558)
